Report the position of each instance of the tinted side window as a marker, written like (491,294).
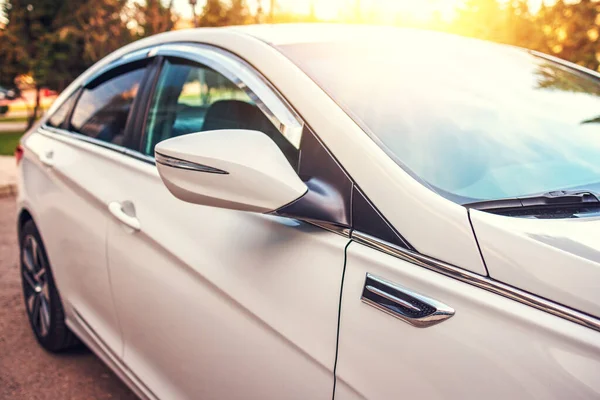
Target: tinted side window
(103,108)
(193,98)
(59,117)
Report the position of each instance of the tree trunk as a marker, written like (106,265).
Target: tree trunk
(36,108)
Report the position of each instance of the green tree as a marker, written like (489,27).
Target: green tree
(521,29)
(213,14)
(571,32)
(31,46)
(50,42)
(238,13)
(100,27)
(153,17)
(568,29)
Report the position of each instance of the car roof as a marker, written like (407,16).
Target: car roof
(295,33)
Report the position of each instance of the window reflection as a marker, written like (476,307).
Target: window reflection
(102,110)
(474,120)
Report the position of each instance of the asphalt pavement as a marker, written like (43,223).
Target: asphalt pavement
(26,370)
(12,126)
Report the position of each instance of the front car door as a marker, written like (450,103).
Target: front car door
(216,303)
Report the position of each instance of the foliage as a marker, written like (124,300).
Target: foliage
(567,29)
(233,12)
(238,13)
(8,142)
(570,31)
(153,17)
(214,13)
(48,43)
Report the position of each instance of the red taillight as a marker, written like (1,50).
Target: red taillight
(18,154)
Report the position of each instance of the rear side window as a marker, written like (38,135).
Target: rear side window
(104,106)
(58,119)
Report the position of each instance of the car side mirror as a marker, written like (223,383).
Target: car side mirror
(235,168)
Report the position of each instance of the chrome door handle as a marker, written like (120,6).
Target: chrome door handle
(404,304)
(125,213)
(47,158)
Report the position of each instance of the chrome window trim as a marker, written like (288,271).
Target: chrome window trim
(479,281)
(333,228)
(260,91)
(140,156)
(50,130)
(590,73)
(45,129)
(119,62)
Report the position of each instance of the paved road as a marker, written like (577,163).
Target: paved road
(12,126)
(27,371)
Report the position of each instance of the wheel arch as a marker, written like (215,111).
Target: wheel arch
(24,216)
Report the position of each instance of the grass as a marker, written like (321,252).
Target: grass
(8,142)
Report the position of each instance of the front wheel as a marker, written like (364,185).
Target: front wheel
(42,301)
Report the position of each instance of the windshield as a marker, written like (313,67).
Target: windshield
(473,120)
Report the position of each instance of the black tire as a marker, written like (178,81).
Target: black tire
(48,322)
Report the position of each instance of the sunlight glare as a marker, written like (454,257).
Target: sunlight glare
(386,10)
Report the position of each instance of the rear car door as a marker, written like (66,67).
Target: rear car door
(79,154)
(216,303)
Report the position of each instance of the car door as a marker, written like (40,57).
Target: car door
(216,303)
(79,150)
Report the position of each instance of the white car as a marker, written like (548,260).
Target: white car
(308,212)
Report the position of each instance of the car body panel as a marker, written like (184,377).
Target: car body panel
(220,303)
(61,193)
(558,259)
(491,348)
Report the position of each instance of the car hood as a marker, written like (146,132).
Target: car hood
(558,259)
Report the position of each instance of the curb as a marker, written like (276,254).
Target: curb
(8,190)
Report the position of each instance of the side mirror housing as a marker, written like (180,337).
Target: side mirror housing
(236,169)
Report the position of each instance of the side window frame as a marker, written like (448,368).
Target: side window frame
(74,95)
(262,93)
(114,69)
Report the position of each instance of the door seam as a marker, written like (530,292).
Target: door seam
(337,339)
(110,285)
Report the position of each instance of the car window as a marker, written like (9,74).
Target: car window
(60,116)
(488,122)
(190,97)
(103,108)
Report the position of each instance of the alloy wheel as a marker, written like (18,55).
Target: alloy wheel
(35,285)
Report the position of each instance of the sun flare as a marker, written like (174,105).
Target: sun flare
(418,10)
(385,10)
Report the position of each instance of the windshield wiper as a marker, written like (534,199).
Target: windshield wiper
(555,201)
